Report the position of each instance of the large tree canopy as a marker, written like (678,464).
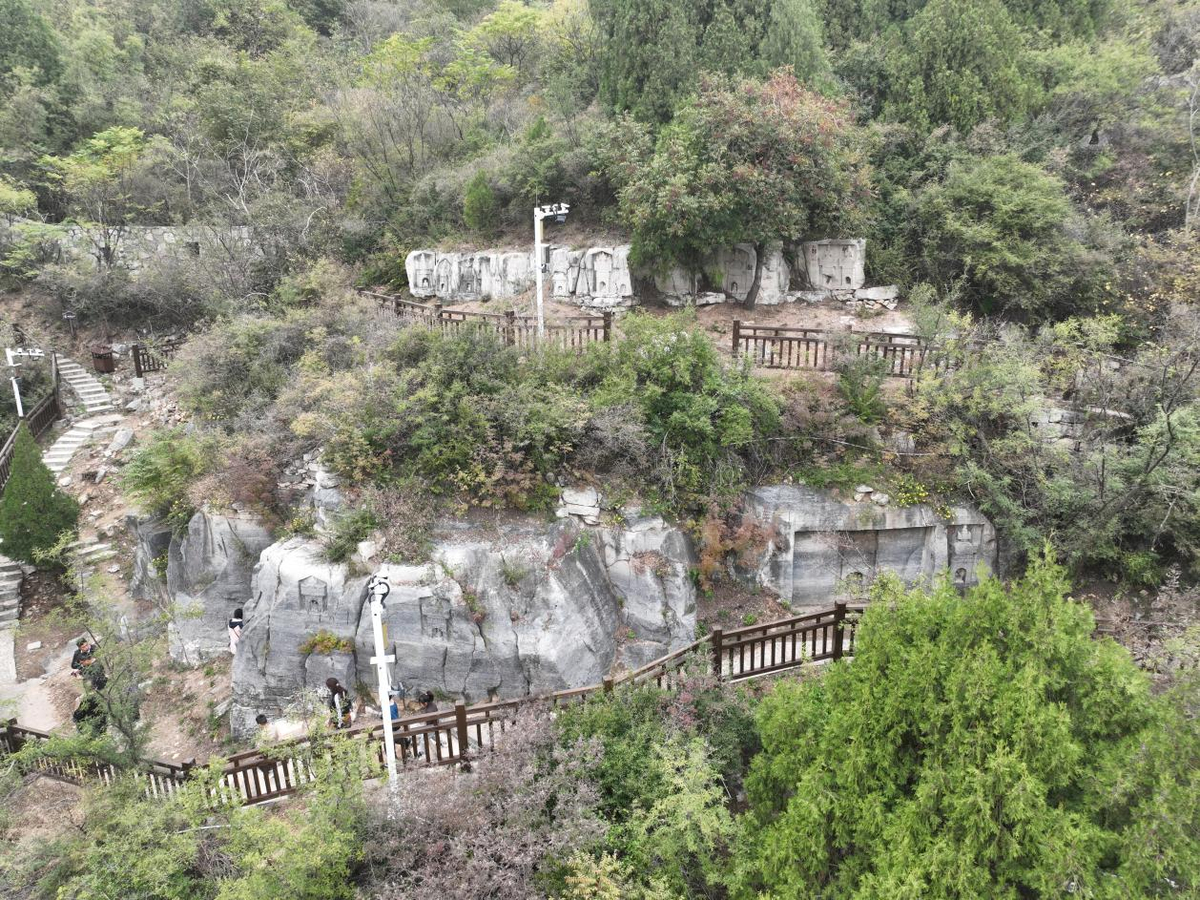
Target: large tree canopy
(1005,232)
(747,161)
(977,746)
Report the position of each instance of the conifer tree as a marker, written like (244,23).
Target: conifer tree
(33,511)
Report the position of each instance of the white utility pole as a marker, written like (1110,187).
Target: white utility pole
(13,365)
(377,590)
(559,212)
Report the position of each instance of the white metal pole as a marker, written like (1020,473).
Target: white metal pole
(16,387)
(381,660)
(537,263)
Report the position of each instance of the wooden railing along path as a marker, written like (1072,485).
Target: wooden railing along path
(779,347)
(155,356)
(455,736)
(565,332)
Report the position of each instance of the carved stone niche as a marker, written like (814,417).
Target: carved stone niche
(419,268)
(737,265)
(833,265)
(446,276)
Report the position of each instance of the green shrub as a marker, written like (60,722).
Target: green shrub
(33,511)
(860,384)
(162,471)
(481,210)
(324,643)
(349,529)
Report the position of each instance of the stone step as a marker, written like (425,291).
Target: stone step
(9,615)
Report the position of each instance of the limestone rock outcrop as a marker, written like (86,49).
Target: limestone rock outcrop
(536,608)
(209,571)
(827,549)
(601,277)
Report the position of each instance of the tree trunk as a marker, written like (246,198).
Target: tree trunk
(760,252)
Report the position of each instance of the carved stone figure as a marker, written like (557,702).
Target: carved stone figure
(833,265)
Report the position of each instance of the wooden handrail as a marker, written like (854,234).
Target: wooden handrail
(451,737)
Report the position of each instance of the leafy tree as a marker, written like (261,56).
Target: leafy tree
(29,43)
(961,62)
(1006,229)
(649,57)
(510,35)
(99,182)
(33,511)
(795,37)
(15,200)
(977,746)
(481,210)
(753,161)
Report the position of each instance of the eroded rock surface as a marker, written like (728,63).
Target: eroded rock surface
(537,608)
(826,549)
(209,570)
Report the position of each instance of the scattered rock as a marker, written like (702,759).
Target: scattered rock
(35,645)
(113,569)
(64,480)
(134,405)
(581,496)
(880,499)
(120,441)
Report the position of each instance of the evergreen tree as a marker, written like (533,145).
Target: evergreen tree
(961,62)
(984,745)
(796,38)
(33,511)
(481,210)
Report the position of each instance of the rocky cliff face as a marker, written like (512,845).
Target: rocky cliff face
(536,608)
(207,576)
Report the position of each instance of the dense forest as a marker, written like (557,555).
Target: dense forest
(1027,172)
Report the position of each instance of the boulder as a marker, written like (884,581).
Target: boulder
(878,294)
(209,571)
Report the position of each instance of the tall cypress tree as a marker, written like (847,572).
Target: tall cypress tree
(33,511)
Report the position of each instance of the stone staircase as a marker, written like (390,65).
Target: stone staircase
(90,552)
(10,592)
(95,398)
(59,454)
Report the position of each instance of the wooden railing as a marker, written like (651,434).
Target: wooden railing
(154,357)
(38,419)
(455,736)
(779,347)
(568,332)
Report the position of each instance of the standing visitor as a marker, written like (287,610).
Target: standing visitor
(340,704)
(235,630)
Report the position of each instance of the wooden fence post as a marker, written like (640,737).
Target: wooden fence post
(510,335)
(188,765)
(737,335)
(460,724)
(137,360)
(839,619)
(717,638)
(608,325)
(608,684)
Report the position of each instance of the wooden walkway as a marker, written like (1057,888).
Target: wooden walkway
(455,736)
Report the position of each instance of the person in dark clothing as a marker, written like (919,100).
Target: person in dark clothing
(235,630)
(90,718)
(340,704)
(83,658)
(427,702)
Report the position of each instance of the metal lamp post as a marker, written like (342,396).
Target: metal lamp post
(540,213)
(377,590)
